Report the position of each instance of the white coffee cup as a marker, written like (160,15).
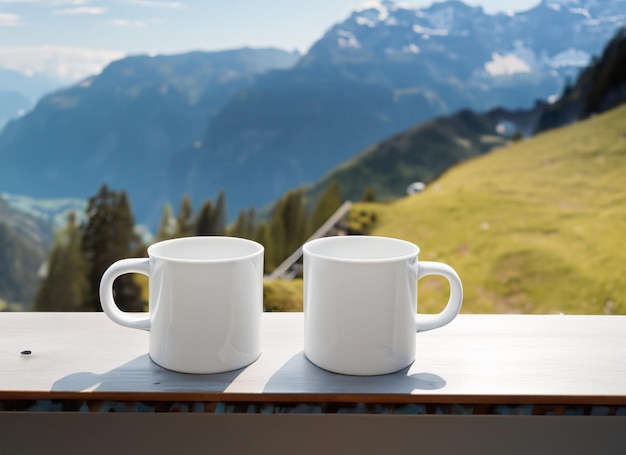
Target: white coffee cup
(205,302)
(360,303)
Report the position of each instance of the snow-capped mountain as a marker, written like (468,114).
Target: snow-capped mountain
(383,69)
(462,45)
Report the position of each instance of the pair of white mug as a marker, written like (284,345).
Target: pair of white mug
(206,302)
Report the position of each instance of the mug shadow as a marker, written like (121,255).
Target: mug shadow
(142,375)
(299,372)
(296,375)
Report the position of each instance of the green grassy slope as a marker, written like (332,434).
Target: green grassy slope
(537,226)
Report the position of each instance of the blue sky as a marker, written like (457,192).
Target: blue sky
(70,37)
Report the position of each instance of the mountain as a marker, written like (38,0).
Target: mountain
(425,151)
(51,214)
(19,92)
(382,70)
(12,104)
(524,222)
(468,58)
(420,154)
(29,86)
(255,123)
(123,126)
(533,227)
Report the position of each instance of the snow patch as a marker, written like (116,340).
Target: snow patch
(374,9)
(570,57)
(391,21)
(553,98)
(365,21)
(506,65)
(581,11)
(411,48)
(443,19)
(346,39)
(429,31)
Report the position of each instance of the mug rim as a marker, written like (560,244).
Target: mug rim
(259,249)
(415,250)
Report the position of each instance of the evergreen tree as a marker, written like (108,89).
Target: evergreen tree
(250,224)
(125,222)
(369,195)
(205,219)
(278,251)
(263,236)
(608,77)
(107,236)
(289,225)
(245,227)
(167,225)
(65,285)
(326,206)
(219,224)
(185,225)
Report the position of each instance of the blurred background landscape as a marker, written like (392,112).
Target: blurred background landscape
(512,122)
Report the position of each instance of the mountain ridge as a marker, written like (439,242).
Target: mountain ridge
(408,66)
(389,166)
(420,154)
(255,134)
(125,124)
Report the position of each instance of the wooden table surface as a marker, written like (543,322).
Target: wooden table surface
(514,359)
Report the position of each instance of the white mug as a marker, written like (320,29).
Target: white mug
(360,303)
(205,302)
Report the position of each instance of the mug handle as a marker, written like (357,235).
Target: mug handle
(125,318)
(425,322)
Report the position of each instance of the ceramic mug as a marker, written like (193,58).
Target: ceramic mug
(205,302)
(360,303)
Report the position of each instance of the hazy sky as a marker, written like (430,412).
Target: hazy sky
(44,35)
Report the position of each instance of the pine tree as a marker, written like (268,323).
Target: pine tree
(245,225)
(204,219)
(125,222)
(185,226)
(608,77)
(107,236)
(326,206)
(167,225)
(278,251)
(263,236)
(250,224)
(219,224)
(65,285)
(289,225)
(369,195)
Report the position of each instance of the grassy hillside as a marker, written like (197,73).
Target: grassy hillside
(534,227)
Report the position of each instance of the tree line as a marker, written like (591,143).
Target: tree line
(83,250)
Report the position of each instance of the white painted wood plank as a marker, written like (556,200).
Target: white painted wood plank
(476,358)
